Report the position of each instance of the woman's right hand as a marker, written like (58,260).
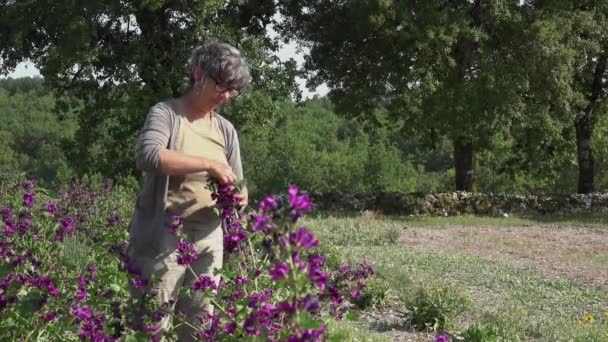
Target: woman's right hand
(221,172)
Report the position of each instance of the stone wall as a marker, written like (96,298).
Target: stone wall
(459,203)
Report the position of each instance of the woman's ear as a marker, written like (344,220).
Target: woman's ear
(198,73)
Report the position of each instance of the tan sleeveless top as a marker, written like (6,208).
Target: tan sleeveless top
(190,195)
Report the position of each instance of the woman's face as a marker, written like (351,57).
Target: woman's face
(211,93)
(216,94)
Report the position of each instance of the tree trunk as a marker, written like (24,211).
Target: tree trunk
(584,132)
(463,164)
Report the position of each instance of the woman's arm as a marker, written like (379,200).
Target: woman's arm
(176,163)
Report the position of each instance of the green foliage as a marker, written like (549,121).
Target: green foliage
(31,136)
(453,70)
(376,295)
(311,146)
(436,308)
(112,61)
(480,333)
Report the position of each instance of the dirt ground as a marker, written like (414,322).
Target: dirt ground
(576,253)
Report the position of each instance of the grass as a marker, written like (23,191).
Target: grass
(350,331)
(521,303)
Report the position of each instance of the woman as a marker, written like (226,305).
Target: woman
(182,146)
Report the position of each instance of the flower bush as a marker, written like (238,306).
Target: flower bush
(65,274)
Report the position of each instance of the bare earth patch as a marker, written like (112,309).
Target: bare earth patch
(575,253)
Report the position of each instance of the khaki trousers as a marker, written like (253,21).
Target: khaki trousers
(170,277)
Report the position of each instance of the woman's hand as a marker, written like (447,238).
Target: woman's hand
(221,172)
(242,200)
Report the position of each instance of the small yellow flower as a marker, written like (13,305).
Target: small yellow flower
(586,321)
(606,314)
(439,289)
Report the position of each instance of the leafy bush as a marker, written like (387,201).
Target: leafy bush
(435,308)
(480,333)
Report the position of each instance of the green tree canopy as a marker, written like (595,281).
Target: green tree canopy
(114,59)
(447,68)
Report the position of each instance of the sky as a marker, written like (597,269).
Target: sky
(287,51)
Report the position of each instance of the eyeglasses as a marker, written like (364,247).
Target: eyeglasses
(220,89)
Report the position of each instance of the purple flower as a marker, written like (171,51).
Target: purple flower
(240,281)
(82,312)
(51,316)
(299,203)
(29,198)
(45,282)
(355,293)
(9,228)
(310,304)
(312,334)
(268,203)
(318,277)
(28,184)
(67,227)
(204,283)
(303,239)
(151,328)
(187,253)
(6,212)
(67,223)
(50,208)
(81,294)
(262,223)
(114,220)
(442,338)
(24,226)
(232,240)
(176,224)
(82,282)
(250,326)
(286,307)
(229,328)
(256,298)
(317,260)
(279,271)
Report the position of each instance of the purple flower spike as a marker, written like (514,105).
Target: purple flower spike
(318,277)
(268,203)
(81,294)
(204,283)
(303,239)
(279,271)
(442,338)
(300,203)
(29,198)
(50,208)
(187,253)
(6,212)
(82,312)
(311,304)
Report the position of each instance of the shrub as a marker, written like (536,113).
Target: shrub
(435,308)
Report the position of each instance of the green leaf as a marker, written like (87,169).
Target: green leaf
(352,316)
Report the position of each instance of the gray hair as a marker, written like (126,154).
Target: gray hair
(221,62)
